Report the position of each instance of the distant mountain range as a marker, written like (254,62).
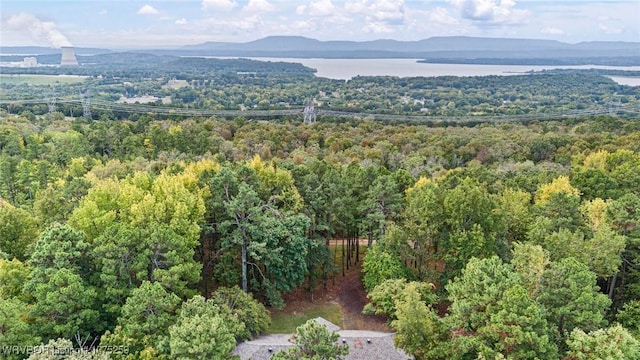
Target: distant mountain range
(451,43)
(435,47)
(448,49)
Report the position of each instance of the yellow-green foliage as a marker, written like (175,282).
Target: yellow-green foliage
(276,184)
(596,160)
(422,181)
(558,185)
(595,211)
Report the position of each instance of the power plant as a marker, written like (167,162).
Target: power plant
(68,56)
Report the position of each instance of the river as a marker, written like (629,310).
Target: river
(345,69)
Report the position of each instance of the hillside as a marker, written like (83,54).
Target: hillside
(452,49)
(456,47)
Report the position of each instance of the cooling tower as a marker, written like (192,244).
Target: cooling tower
(68,56)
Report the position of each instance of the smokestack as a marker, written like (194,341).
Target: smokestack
(68,56)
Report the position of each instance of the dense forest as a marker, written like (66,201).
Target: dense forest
(160,237)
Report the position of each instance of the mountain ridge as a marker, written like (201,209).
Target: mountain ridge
(438,43)
(453,48)
(456,47)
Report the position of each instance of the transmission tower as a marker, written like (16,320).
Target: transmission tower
(310,113)
(86,105)
(51,101)
(615,105)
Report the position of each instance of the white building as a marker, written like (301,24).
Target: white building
(30,61)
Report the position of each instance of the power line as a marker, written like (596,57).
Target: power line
(51,102)
(86,105)
(310,113)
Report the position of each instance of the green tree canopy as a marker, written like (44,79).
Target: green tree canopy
(516,329)
(313,341)
(200,331)
(386,295)
(614,343)
(145,320)
(65,300)
(569,293)
(15,330)
(380,265)
(246,316)
(267,237)
(18,229)
(420,332)
(476,292)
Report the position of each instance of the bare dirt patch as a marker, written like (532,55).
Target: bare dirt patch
(353,297)
(348,292)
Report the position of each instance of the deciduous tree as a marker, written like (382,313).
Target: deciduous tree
(385,296)
(18,229)
(420,332)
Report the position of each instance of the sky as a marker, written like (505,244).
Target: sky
(139,24)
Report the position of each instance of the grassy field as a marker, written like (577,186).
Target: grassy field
(39,79)
(286,322)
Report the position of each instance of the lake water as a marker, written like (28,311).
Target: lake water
(345,69)
(626,80)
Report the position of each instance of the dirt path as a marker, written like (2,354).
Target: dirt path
(352,297)
(348,292)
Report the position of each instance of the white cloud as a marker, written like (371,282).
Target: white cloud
(378,10)
(247,23)
(475,9)
(148,10)
(324,12)
(224,5)
(609,29)
(339,19)
(234,25)
(491,12)
(428,22)
(321,8)
(377,28)
(229,20)
(258,7)
(36,28)
(550,30)
(441,15)
(303,25)
(380,16)
(103,12)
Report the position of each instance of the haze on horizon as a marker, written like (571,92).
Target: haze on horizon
(171,23)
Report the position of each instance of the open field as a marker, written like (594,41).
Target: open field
(286,321)
(40,79)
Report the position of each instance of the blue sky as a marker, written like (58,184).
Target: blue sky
(162,23)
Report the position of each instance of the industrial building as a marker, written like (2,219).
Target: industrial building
(68,56)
